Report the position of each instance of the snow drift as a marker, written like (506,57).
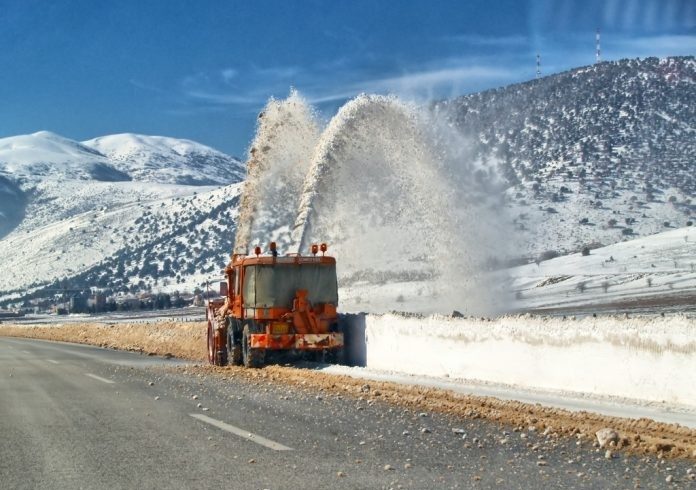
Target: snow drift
(648,359)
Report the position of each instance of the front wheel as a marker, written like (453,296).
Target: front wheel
(252,358)
(211,344)
(217,351)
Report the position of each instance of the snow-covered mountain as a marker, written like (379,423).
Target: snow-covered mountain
(34,157)
(66,206)
(146,242)
(595,154)
(122,157)
(48,178)
(167,160)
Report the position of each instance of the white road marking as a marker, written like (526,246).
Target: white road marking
(51,360)
(26,352)
(103,380)
(241,433)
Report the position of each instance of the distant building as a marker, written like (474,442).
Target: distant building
(97,302)
(78,304)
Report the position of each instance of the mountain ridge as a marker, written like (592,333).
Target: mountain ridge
(125,156)
(591,151)
(595,155)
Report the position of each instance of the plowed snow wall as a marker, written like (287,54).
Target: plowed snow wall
(652,359)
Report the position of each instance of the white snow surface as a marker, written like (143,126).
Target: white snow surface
(649,359)
(660,265)
(36,156)
(44,155)
(67,206)
(76,242)
(167,160)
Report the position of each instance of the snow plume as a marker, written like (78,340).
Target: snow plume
(369,188)
(383,188)
(279,157)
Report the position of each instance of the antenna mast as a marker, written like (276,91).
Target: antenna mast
(538,66)
(598,55)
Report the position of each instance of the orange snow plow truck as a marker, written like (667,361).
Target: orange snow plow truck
(273,304)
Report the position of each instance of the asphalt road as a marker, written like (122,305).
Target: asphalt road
(76,416)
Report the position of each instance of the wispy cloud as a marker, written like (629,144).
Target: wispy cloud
(665,45)
(228,74)
(437,77)
(236,86)
(494,41)
(335,82)
(276,71)
(442,78)
(145,86)
(222,98)
(323,98)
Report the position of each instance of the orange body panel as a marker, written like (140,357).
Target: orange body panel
(304,327)
(309,341)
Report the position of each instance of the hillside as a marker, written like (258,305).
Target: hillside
(595,154)
(66,207)
(50,178)
(590,157)
(167,160)
(175,241)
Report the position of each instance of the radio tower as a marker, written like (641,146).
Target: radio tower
(538,72)
(598,50)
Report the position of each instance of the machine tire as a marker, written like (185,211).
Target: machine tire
(234,349)
(221,359)
(211,344)
(252,358)
(334,356)
(217,355)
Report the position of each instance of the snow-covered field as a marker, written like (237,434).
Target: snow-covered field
(659,267)
(639,364)
(656,272)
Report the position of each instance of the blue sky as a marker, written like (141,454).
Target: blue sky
(204,69)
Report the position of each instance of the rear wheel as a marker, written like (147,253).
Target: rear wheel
(234,348)
(252,358)
(334,356)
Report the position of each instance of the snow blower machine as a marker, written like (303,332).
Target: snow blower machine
(272,304)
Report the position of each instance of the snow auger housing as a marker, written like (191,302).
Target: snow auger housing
(274,303)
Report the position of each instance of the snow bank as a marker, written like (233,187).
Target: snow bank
(651,359)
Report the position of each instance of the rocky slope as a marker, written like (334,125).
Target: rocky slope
(595,154)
